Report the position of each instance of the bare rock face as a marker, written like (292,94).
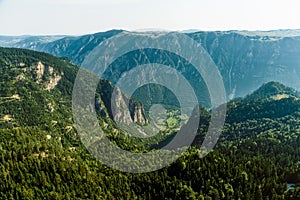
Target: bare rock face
(53,82)
(121,113)
(44,75)
(39,70)
(6,118)
(139,116)
(50,70)
(119,107)
(50,107)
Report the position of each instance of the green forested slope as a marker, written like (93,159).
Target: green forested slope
(41,156)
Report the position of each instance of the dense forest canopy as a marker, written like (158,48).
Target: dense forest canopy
(42,156)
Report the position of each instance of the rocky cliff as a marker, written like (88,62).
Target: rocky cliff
(39,86)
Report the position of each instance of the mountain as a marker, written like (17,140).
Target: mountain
(73,47)
(272,100)
(42,156)
(36,90)
(28,42)
(274,90)
(271,108)
(246,59)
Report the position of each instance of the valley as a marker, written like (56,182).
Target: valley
(256,157)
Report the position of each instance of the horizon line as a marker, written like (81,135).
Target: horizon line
(191,30)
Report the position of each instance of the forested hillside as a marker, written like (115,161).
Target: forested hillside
(42,156)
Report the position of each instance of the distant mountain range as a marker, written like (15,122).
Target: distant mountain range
(246,59)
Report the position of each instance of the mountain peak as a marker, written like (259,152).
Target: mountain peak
(272,89)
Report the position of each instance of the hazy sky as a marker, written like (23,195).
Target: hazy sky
(18,17)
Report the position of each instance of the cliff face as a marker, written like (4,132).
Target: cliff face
(138,114)
(120,108)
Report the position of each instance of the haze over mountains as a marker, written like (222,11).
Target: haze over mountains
(246,59)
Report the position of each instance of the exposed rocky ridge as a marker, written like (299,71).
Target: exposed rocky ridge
(120,108)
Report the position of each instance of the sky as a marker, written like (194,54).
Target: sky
(77,17)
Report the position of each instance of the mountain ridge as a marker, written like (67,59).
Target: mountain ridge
(245,59)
